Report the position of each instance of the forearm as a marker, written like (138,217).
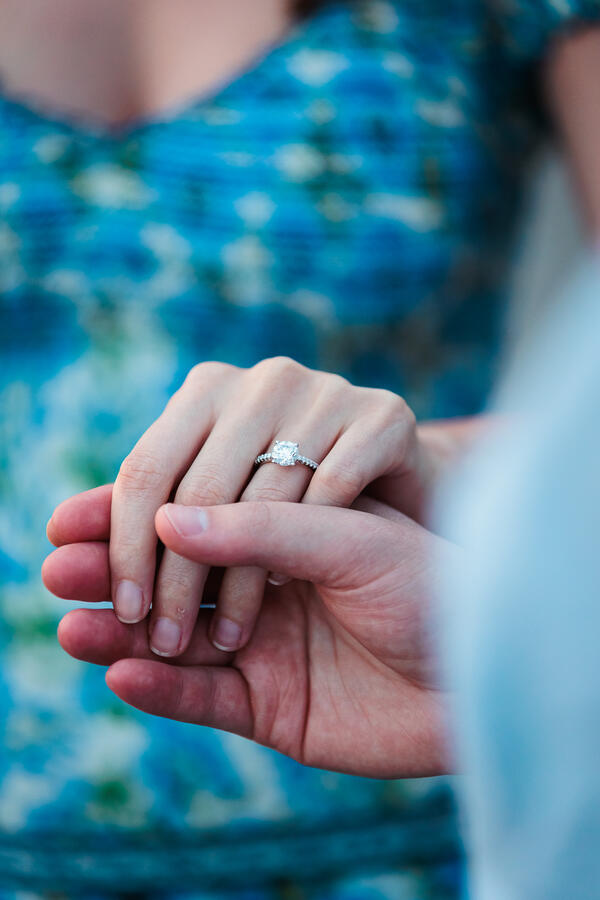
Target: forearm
(572,83)
(452,437)
(445,441)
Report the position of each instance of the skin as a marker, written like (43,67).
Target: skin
(133,45)
(571,76)
(117,64)
(126,66)
(337,648)
(201,451)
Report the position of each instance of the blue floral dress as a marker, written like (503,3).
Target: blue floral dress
(349,202)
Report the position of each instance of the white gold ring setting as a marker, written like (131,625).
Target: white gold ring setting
(286,453)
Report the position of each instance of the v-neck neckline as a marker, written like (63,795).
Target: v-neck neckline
(88,127)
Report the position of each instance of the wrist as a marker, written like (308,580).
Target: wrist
(444,441)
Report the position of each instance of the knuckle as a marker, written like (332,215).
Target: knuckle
(395,410)
(206,372)
(207,488)
(187,495)
(337,384)
(140,470)
(195,376)
(331,393)
(277,368)
(340,484)
(175,590)
(271,493)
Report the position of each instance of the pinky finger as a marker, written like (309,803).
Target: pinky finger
(361,455)
(351,465)
(338,481)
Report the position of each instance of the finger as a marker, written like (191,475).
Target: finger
(145,481)
(369,448)
(84,517)
(357,459)
(363,503)
(97,636)
(329,546)
(243,588)
(204,695)
(382,510)
(217,475)
(238,607)
(79,572)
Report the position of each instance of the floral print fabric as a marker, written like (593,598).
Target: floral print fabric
(348,202)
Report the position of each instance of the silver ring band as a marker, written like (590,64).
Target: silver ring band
(285,453)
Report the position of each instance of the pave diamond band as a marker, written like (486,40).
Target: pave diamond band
(285,453)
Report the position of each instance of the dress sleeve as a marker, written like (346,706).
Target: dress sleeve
(529,26)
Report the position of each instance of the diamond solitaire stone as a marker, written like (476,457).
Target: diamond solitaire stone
(284,453)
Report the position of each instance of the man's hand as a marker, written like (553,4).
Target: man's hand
(201,452)
(338,673)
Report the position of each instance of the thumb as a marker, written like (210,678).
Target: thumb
(329,546)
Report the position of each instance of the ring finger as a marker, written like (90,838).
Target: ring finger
(242,588)
(351,460)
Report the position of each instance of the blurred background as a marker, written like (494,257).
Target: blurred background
(551,239)
(352,197)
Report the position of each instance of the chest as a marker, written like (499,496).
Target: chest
(324,190)
(114,62)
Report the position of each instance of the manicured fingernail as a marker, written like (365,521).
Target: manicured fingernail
(186,520)
(129,602)
(166,636)
(226,635)
(277,579)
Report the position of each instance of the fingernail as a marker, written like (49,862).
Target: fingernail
(129,602)
(226,635)
(277,579)
(166,636)
(186,520)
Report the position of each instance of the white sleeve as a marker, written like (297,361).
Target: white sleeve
(523,624)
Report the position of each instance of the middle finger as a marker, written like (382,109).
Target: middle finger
(242,588)
(217,475)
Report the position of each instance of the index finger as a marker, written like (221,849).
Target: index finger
(83,517)
(145,481)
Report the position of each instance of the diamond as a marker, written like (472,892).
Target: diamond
(285,453)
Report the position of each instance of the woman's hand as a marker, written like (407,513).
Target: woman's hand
(339,672)
(201,451)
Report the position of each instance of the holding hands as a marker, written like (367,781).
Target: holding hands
(337,670)
(202,450)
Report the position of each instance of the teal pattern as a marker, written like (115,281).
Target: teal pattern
(349,202)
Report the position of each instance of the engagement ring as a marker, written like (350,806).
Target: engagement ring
(285,453)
